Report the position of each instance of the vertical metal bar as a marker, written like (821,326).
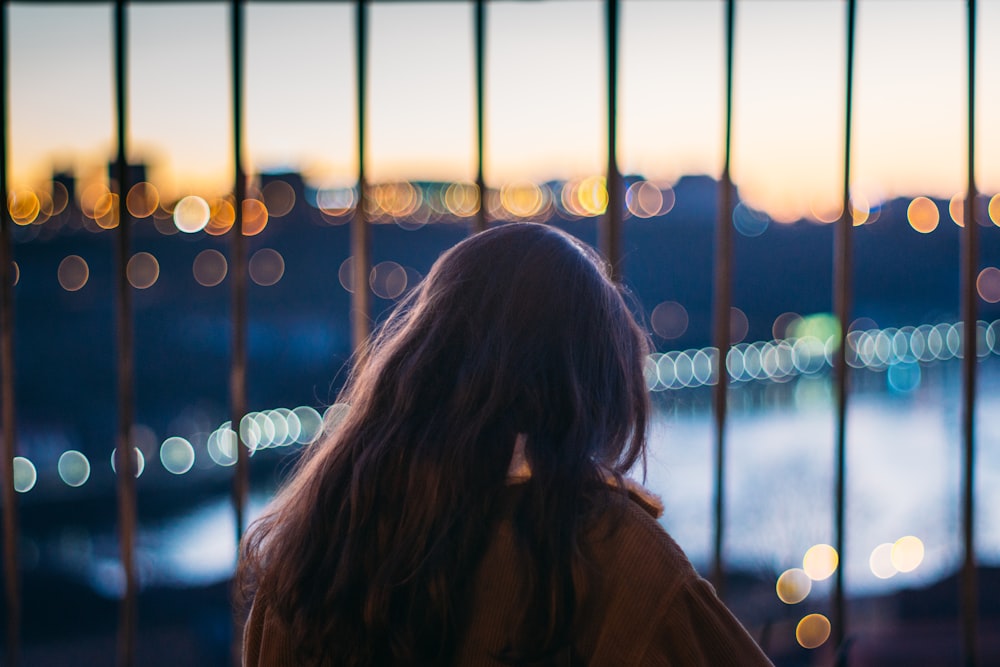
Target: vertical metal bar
(360,232)
(480,221)
(12,581)
(723,300)
(238,370)
(125,457)
(238,364)
(842,304)
(611,230)
(970,264)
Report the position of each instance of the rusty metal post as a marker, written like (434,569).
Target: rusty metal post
(12,580)
(360,231)
(125,458)
(970,265)
(611,229)
(723,302)
(842,304)
(480,19)
(238,368)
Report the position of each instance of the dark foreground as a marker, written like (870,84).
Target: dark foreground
(193,627)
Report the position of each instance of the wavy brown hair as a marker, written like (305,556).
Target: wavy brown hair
(369,550)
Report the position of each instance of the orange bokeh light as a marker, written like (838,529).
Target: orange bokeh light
(222,216)
(923,215)
(254,217)
(142,200)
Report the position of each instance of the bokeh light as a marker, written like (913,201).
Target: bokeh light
(651,373)
(903,377)
(45,207)
(140,461)
(310,422)
(907,553)
(822,326)
(222,216)
(784,325)
(683,369)
(335,202)
(294,426)
(812,631)
(91,196)
(793,586)
(567,200)
(106,211)
(701,367)
(956,209)
(749,222)
(988,284)
(142,200)
(395,200)
(523,199)
(177,455)
(808,354)
(279,198)
(59,197)
(24,473)
(267,266)
(250,432)
(335,414)
(221,445)
(254,217)
(880,561)
(590,197)
(191,214)
(142,270)
(279,426)
(267,428)
(739,325)
(388,280)
(820,562)
(645,200)
(74,468)
(825,211)
(163,222)
(209,268)
(861,210)
(73,273)
(923,215)
(23,206)
(669,320)
(462,199)
(994,209)
(346,274)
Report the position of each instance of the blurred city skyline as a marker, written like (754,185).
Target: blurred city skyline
(545,95)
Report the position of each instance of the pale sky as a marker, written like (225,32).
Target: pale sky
(545,101)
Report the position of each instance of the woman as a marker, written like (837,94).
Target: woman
(471,507)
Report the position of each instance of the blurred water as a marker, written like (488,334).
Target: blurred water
(903,474)
(903,479)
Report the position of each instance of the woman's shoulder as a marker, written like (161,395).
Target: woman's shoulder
(627,532)
(266,639)
(634,569)
(647,604)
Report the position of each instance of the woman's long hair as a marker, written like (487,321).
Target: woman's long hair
(369,550)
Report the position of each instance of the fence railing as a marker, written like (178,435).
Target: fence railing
(610,244)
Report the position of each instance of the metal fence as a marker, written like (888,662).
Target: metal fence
(610,244)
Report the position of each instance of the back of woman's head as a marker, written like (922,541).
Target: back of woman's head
(369,550)
(517,330)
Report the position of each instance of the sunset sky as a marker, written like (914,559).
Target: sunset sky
(546,108)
